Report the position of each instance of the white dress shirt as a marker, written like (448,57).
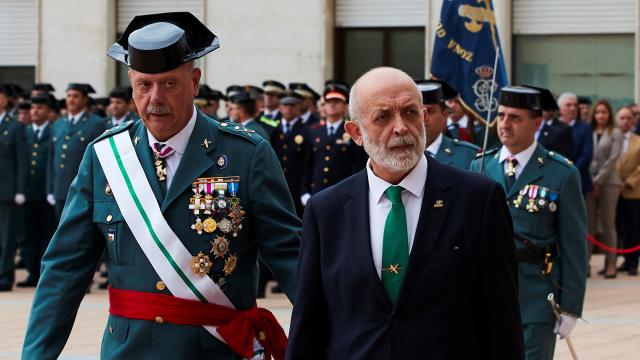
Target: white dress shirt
(463,122)
(288,125)
(179,143)
(522,157)
(380,205)
(333,127)
(74,118)
(246,122)
(118,122)
(305,117)
(625,142)
(435,145)
(39,129)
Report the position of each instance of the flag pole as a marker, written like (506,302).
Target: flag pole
(488,119)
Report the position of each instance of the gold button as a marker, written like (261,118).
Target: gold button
(328,147)
(159,320)
(35,145)
(67,137)
(64,146)
(34,154)
(327,158)
(325,181)
(284,146)
(109,217)
(33,162)
(160,286)
(262,336)
(61,166)
(326,169)
(63,156)
(33,172)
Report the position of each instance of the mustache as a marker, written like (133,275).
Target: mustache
(158,109)
(404,140)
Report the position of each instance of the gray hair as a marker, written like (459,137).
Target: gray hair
(566,96)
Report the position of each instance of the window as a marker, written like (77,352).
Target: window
(597,66)
(360,49)
(21,75)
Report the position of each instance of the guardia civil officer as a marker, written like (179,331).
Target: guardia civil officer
(549,220)
(307,105)
(448,151)
(13,164)
(243,106)
(70,136)
(119,99)
(553,134)
(184,205)
(39,214)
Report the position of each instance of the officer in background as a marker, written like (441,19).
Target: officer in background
(270,116)
(444,149)
(208,101)
(40,221)
(119,99)
(13,163)
(307,105)
(549,220)
(331,153)
(70,137)
(229,92)
(243,108)
(39,89)
(24,112)
(553,134)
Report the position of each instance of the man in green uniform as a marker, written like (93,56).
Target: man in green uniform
(119,99)
(448,151)
(185,205)
(13,163)
(549,220)
(70,137)
(243,106)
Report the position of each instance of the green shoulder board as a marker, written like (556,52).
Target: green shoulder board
(559,158)
(466,144)
(240,131)
(489,152)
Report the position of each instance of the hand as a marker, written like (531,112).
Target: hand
(19,199)
(51,199)
(564,325)
(304,198)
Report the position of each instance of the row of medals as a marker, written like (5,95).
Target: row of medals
(539,198)
(218,215)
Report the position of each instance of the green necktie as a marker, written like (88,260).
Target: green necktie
(395,245)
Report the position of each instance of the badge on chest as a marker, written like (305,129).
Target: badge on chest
(538,198)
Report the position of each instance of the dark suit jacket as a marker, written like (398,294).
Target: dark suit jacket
(38,155)
(459,299)
(13,158)
(583,152)
(557,136)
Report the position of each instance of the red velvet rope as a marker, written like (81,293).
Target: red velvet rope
(611,249)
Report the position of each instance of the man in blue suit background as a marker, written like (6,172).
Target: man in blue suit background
(582,139)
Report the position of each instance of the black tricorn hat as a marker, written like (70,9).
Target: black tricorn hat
(204,91)
(47,99)
(233,89)
(547,101)
(157,43)
(83,88)
(120,93)
(520,97)
(62,104)
(303,90)
(447,90)
(241,97)
(43,87)
(431,92)
(24,105)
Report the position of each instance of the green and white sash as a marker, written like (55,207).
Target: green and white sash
(140,209)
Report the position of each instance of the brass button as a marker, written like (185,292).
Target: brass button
(61,166)
(159,320)
(328,147)
(284,146)
(35,145)
(67,137)
(34,154)
(325,181)
(64,146)
(327,158)
(160,286)
(284,158)
(326,169)
(63,156)
(109,217)
(262,336)
(33,162)
(33,172)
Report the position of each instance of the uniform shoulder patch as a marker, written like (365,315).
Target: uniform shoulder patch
(240,131)
(467,145)
(115,130)
(559,158)
(488,152)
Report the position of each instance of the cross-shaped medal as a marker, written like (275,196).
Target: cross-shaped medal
(206,143)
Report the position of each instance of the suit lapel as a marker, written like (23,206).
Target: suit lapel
(141,144)
(531,171)
(435,205)
(358,205)
(195,161)
(495,170)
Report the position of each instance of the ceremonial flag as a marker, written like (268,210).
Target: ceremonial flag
(464,53)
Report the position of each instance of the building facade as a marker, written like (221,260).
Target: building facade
(588,47)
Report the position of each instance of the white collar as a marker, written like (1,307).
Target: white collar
(246,122)
(179,141)
(35,127)
(463,122)
(414,181)
(286,123)
(305,117)
(522,157)
(273,113)
(120,120)
(2,116)
(335,125)
(435,145)
(572,122)
(74,118)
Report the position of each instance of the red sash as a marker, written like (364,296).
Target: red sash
(237,328)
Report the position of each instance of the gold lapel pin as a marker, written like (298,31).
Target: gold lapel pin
(438,204)
(206,143)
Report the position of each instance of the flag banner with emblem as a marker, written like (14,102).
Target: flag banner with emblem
(464,53)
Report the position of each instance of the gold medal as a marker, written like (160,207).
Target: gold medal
(230,265)
(220,246)
(200,264)
(197,226)
(298,139)
(210,225)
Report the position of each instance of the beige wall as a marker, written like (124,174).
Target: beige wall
(260,40)
(74,38)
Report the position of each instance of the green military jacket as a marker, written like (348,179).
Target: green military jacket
(92,220)
(38,156)
(13,158)
(259,129)
(68,143)
(456,153)
(563,223)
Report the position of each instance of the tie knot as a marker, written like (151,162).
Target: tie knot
(162,150)
(394,193)
(512,159)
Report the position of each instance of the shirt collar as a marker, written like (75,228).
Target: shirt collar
(572,122)
(179,141)
(120,120)
(35,127)
(463,122)
(246,122)
(305,117)
(2,116)
(522,157)
(292,122)
(74,118)
(334,125)
(435,145)
(414,181)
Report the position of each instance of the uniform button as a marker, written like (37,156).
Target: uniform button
(67,137)
(61,166)
(313,185)
(224,125)
(160,286)
(325,181)
(63,156)
(33,172)
(328,147)
(284,158)
(326,169)
(35,145)
(327,158)
(33,162)
(109,218)
(64,146)
(284,146)
(159,320)
(34,154)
